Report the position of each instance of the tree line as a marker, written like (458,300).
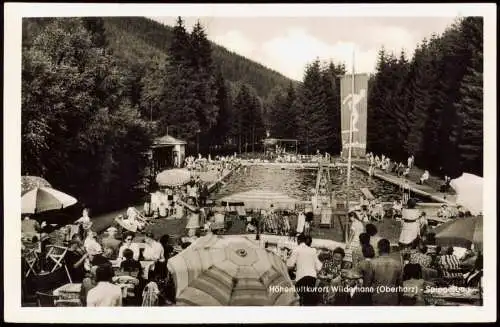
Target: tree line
(90,110)
(431,105)
(310,112)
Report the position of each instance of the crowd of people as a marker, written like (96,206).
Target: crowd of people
(401,169)
(369,273)
(103,264)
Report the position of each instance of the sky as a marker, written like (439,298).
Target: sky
(288,44)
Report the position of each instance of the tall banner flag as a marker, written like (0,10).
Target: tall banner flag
(355,104)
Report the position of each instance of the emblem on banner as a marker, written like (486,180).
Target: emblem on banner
(352,102)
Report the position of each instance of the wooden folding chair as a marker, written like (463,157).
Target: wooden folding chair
(56,254)
(31,259)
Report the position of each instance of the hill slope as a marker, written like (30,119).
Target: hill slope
(139,38)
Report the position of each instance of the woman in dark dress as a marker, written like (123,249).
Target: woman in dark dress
(75,259)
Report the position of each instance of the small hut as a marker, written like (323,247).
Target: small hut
(167,152)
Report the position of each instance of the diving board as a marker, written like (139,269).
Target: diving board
(367,194)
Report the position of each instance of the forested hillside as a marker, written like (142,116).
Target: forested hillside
(95,92)
(138,38)
(431,105)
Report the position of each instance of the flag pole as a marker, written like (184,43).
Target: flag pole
(350,148)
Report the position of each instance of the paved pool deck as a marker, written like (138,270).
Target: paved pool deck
(429,190)
(102,222)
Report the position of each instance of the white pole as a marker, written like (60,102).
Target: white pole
(350,145)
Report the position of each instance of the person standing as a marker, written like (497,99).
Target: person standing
(372,231)
(110,240)
(85,223)
(410,231)
(75,260)
(307,264)
(301,222)
(387,276)
(356,229)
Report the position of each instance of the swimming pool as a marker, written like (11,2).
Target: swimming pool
(298,183)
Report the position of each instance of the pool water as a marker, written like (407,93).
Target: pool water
(298,183)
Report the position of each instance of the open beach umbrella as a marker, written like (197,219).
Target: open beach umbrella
(30,182)
(256,199)
(42,199)
(173,177)
(469,189)
(461,232)
(219,271)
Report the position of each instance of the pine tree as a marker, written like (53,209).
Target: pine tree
(289,116)
(243,116)
(221,131)
(470,103)
(331,80)
(375,118)
(97,30)
(203,79)
(311,106)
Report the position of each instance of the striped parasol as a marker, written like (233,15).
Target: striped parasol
(256,199)
(218,271)
(42,199)
(30,182)
(173,177)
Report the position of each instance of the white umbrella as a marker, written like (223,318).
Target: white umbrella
(42,199)
(469,189)
(173,177)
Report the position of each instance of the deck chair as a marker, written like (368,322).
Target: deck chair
(31,259)
(219,221)
(326,218)
(56,254)
(45,299)
(241,211)
(449,269)
(125,224)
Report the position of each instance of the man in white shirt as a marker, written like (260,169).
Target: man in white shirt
(153,250)
(307,264)
(104,294)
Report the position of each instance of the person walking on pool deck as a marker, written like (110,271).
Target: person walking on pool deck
(410,231)
(305,259)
